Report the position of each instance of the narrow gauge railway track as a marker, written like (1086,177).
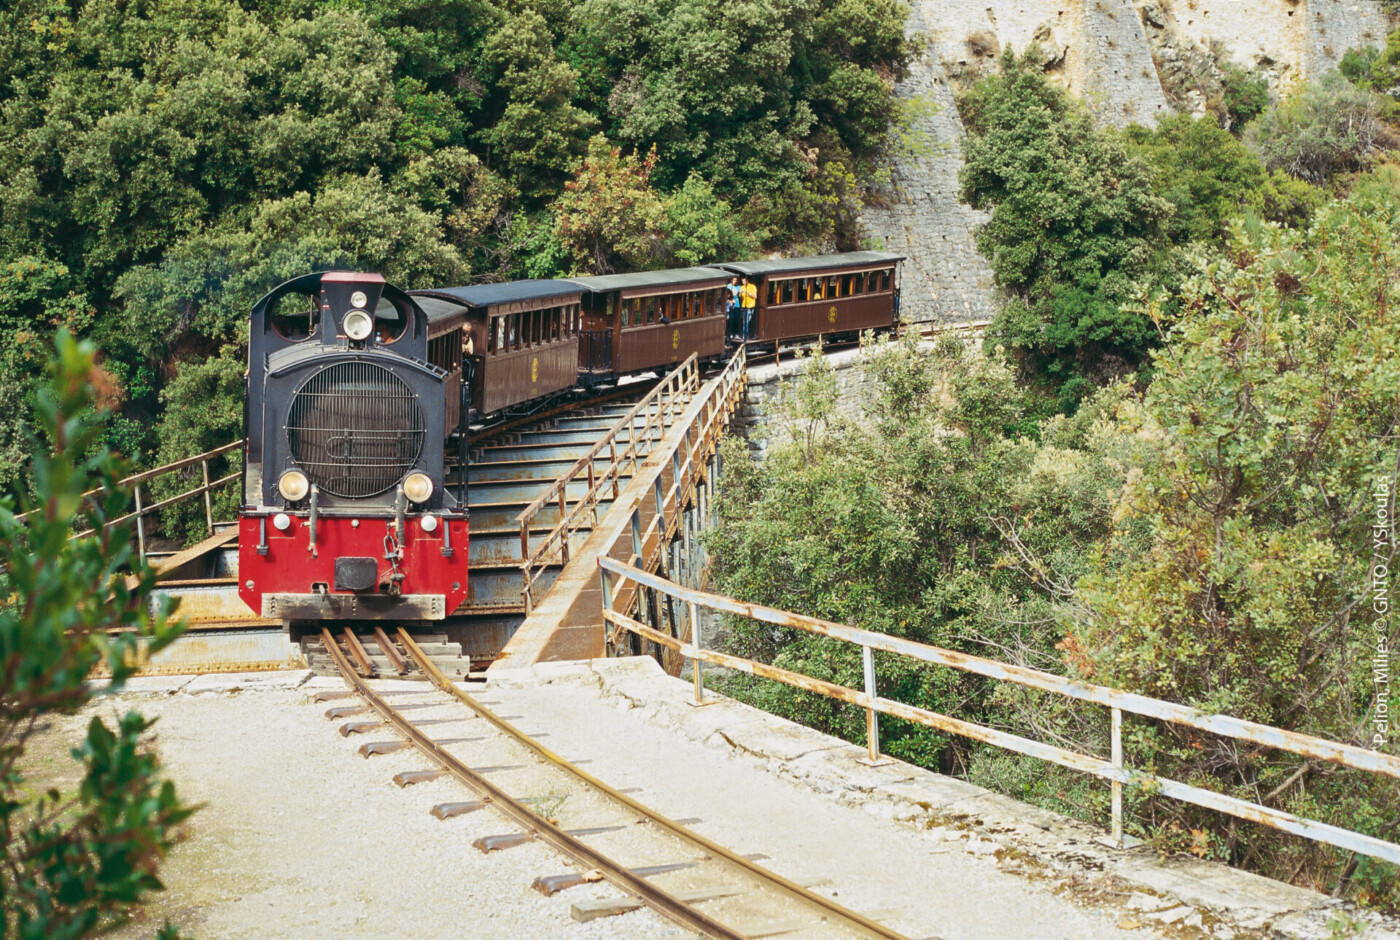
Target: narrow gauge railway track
(821,914)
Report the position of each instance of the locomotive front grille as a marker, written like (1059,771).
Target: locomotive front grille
(355,429)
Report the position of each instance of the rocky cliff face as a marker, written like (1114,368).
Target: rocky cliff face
(1130,60)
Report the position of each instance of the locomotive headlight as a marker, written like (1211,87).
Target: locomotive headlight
(358,299)
(281,522)
(418,486)
(429,523)
(293,485)
(358,324)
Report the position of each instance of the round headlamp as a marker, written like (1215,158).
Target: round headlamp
(293,485)
(429,523)
(358,299)
(281,522)
(358,324)
(418,487)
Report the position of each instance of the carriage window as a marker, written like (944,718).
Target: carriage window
(831,283)
(818,288)
(885,279)
(651,309)
(515,340)
(699,304)
(294,316)
(847,284)
(787,292)
(858,284)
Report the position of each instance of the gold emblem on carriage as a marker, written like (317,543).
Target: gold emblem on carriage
(675,339)
(831,314)
(535,369)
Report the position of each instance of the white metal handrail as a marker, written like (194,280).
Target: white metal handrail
(657,411)
(1116,700)
(143,509)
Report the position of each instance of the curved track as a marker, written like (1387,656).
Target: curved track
(826,916)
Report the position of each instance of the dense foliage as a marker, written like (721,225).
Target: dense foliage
(75,862)
(1206,540)
(1074,222)
(162,164)
(1090,224)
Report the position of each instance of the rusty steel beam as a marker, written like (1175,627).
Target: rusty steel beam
(395,660)
(684,377)
(352,642)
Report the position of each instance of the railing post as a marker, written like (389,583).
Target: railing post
(563,517)
(872,718)
(606,576)
(1117,757)
(208,497)
(140,524)
(695,661)
(637,535)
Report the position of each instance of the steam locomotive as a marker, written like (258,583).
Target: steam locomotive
(359,393)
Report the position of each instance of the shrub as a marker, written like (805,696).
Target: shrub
(75,864)
(1327,127)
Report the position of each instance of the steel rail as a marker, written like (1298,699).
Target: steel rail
(850,919)
(661,901)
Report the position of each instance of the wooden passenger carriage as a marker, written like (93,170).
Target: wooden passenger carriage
(519,340)
(805,297)
(649,320)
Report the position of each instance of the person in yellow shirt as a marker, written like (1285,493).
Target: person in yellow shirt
(748,293)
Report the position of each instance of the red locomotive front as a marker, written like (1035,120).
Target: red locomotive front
(350,509)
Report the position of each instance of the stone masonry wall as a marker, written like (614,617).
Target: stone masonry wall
(945,278)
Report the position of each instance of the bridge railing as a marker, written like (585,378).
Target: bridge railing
(616,574)
(139,483)
(644,425)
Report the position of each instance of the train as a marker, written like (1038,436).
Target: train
(361,401)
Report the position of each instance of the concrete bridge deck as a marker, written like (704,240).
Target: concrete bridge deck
(929,856)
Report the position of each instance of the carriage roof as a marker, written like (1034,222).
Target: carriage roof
(850,259)
(672,277)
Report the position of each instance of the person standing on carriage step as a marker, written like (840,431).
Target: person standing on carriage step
(732,320)
(749,292)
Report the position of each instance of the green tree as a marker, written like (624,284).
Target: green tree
(540,132)
(608,214)
(702,228)
(1211,178)
(1074,222)
(1234,574)
(895,525)
(76,863)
